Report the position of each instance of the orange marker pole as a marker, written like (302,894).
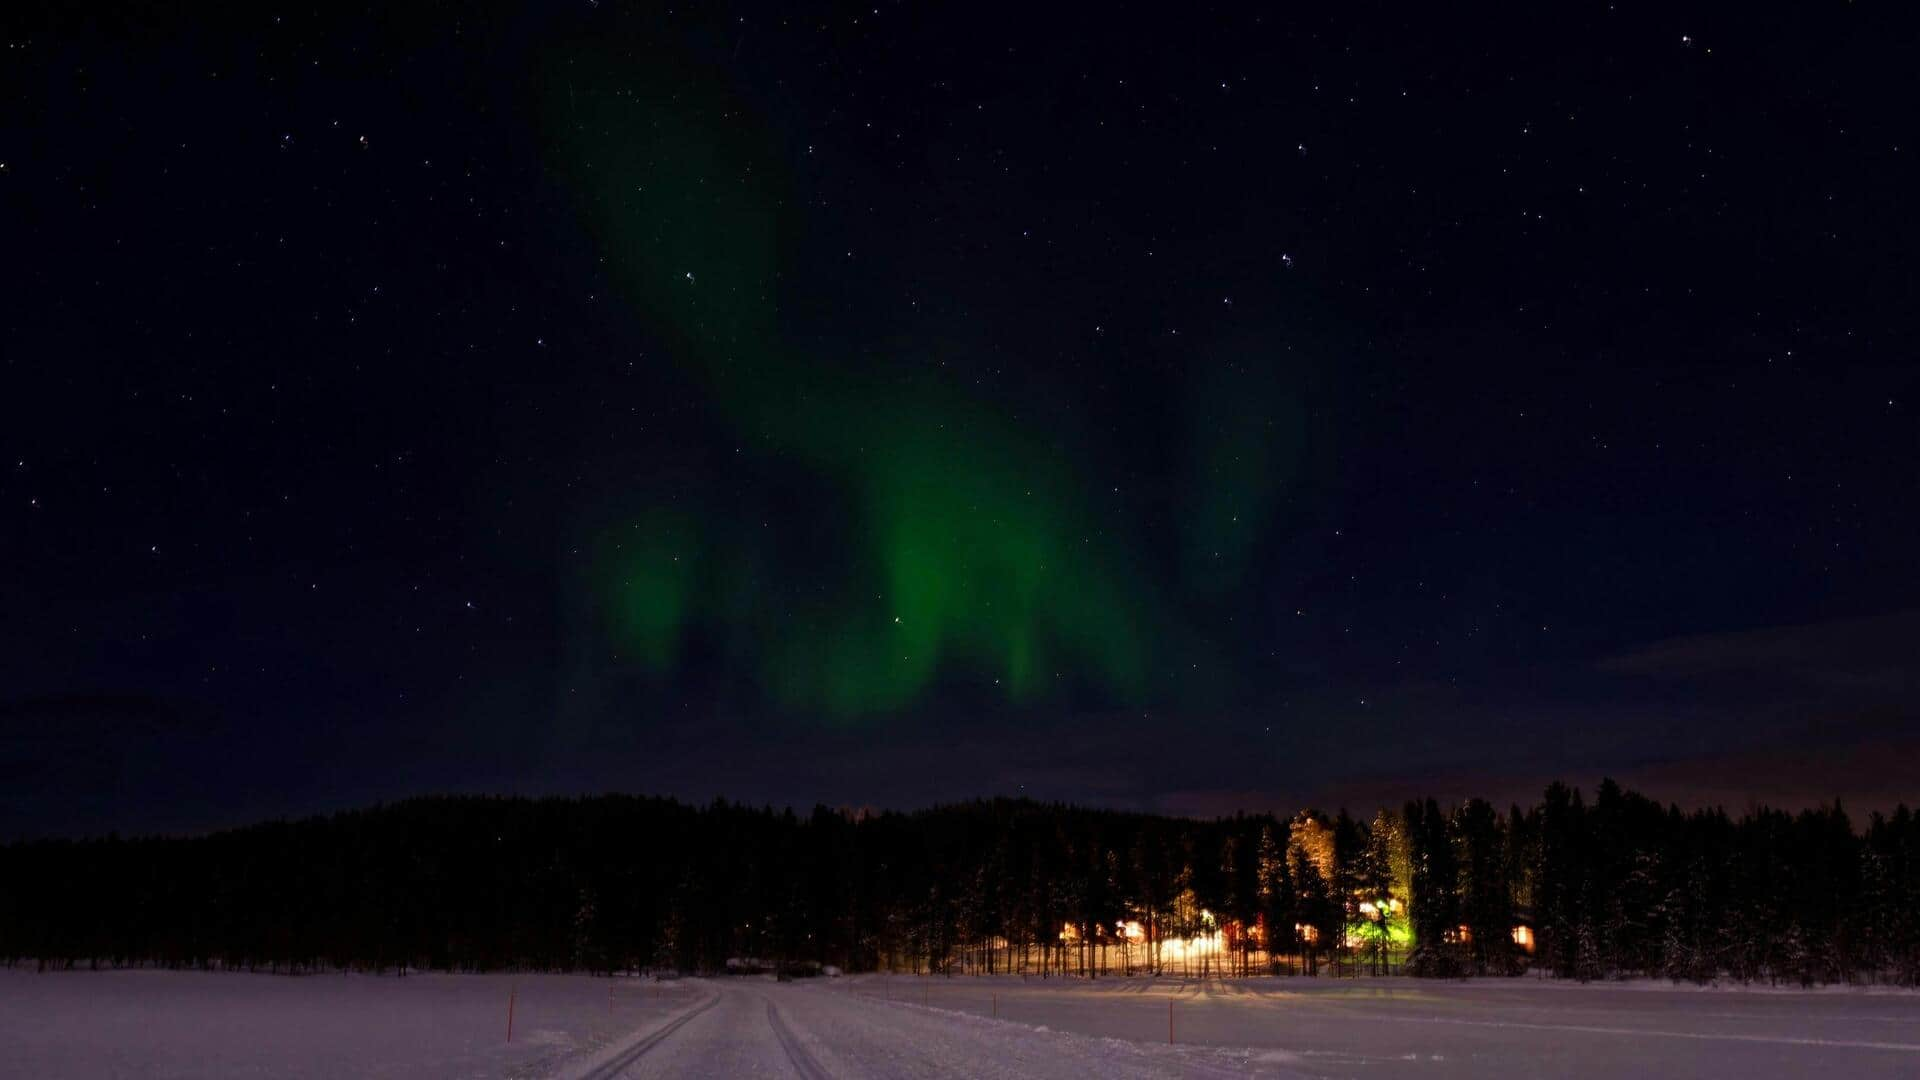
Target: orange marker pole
(511,993)
(1169,1021)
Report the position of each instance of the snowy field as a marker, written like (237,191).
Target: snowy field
(176,1024)
(181,1024)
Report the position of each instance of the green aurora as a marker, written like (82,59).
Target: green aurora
(971,547)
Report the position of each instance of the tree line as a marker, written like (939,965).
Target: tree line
(1615,886)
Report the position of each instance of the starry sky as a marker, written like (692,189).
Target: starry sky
(1184,409)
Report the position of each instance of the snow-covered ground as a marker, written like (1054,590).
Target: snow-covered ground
(1509,1027)
(181,1024)
(148,1023)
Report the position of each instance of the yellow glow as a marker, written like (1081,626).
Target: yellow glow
(1212,944)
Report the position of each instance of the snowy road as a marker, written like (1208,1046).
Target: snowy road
(751,1028)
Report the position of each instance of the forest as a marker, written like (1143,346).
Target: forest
(1612,887)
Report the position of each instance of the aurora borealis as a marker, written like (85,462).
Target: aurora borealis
(880,405)
(967,544)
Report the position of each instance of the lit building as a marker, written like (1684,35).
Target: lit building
(1523,937)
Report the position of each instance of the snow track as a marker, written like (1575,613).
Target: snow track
(751,1027)
(797,1055)
(626,1057)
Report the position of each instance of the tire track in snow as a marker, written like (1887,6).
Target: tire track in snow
(622,1061)
(803,1062)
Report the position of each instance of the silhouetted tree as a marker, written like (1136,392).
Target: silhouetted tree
(1623,886)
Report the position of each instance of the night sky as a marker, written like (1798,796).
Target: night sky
(1176,408)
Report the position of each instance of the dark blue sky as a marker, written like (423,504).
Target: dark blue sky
(1590,334)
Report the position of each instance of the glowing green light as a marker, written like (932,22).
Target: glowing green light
(970,547)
